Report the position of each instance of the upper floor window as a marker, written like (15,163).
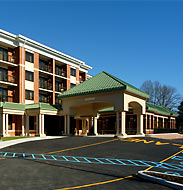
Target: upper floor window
(73,72)
(29,57)
(29,76)
(3,54)
(29,95)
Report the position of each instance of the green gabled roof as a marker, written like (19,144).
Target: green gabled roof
(42,106)
(12,106)
(102,82)
(149,107)
(160,110)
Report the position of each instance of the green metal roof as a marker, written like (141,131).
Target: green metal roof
(102,82)
(19,106)
(149,108)
(160,110)
(42,106)
(12,106)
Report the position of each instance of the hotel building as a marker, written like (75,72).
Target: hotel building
(34,87)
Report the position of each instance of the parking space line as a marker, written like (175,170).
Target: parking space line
(99,183)
(84,146)
(165,159)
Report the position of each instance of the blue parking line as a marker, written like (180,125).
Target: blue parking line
(89,160)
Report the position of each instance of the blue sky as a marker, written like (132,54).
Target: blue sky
(133,40)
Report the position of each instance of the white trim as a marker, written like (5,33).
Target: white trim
(46,90)
(8,83)
(8,63)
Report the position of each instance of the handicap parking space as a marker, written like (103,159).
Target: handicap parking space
(81,162)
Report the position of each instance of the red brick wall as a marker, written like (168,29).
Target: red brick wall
(36,78)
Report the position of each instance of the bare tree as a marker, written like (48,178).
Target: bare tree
(162,95)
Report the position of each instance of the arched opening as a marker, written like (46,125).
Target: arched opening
(133,117)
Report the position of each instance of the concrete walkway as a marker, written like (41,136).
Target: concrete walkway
(4,144)
(169,136)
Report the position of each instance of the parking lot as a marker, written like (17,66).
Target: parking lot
(94,173)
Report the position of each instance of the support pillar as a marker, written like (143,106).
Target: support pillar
(157,122)
(23,127)
(95,125)
(37,125)
(42,123)
(153,122)
(123,123)
(146,123)
(65,125)
(149,121)
(140,124)
(6,125)
(163,123)
(27,125)
(68,124)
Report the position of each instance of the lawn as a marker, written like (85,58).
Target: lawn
(13,138)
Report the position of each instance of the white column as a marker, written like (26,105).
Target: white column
(68,124)
(65,124)
(27,125)
(37,125)
(95,125)
(42,124)
(23,129)
(117,123)
(4,123)
(140,123)
(7,125)
(123,123)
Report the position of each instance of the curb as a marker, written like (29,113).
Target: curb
(4,144)
(165,182)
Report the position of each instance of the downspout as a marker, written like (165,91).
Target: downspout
(22,68)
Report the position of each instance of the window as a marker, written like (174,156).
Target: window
(29,95)
(3,94)
(3,75)
(73,72)
(3,54)
(29,76)
(43,98)
(73,85)
(29,57)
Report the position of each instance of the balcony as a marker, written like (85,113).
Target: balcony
(5,98)
(7,78)
(60,72)
(45,85)
(7,58)
(60,88)
(45,67)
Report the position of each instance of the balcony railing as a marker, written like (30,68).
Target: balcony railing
(7,78)
(46,85)
(46,68)
(8,58)
(5,98)
(60,89)
(60,73)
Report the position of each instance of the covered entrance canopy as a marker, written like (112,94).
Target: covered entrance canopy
(99,92)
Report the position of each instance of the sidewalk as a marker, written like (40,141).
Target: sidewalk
(169,136)
(4,144)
